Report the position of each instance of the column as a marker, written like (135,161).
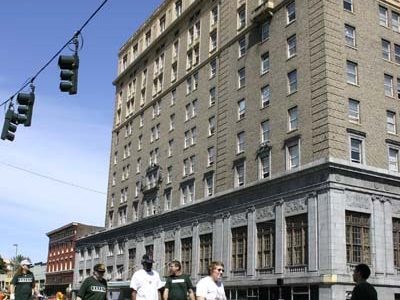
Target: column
(217,243)
(178,248)
(388,215)
(279,238)
(126,260)
(251,241)
(226,242)
(378,234)
(312,209)
(195,249)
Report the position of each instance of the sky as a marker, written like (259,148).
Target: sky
(56,171)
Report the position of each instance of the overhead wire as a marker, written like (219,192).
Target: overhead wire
(76,34)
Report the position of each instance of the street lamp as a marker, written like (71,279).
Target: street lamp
(15,258)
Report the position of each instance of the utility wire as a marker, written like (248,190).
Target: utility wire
(52,178)
(76,34)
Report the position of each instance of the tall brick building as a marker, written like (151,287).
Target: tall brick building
(263,134)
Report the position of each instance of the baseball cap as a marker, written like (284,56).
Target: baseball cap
(147,259)
(25,262)
(99,268)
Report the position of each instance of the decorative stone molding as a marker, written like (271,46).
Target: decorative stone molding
(265,213)
(186,231)
(295,206)
(250,209)
(139,238)
(205,227)
(169,235)
(149,239)
(226,215)
(239,219)
(279,202)
(357,200)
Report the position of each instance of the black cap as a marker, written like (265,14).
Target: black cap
(100,268)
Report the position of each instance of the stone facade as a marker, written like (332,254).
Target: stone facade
(313,147)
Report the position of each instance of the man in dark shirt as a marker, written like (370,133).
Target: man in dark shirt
(94,287)
(363,290)
(178,285)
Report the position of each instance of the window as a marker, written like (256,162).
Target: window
(354,110)
(187,193)
(291,12)
(296,240)
(264,161)
(175,51)
(169,255)
(397,53)
(162,24)
(240,142)
(348,5)
(240,174)
(383,16)
(393,160)
(214,16)
(388,85)
(167,200)
(211,125)
(265,131)
(213,40)
(265,245)
(292,81)
(188,85)
(213,68)
(178,8)
(241,109)
(212,96)
(350,35)
(391,122)
(169,174)
(385,49)
(137,189)
(186,245)
(351,71)
(242,46)
(357,238)
(148,38)
(241,17)
(265,96)
(265,63)
(134,211)
(141,120)
(264,31)
(210,156)
(396,242)
(398,88)
(293,155)
(205,253)
(291,46)
(209,185)
(171,122)
(292,118)
(239,249)
(170,147)
(356,150)
(241,78)
(174,72)
(173,97)
(395,21)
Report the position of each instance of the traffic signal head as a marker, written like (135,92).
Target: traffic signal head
(69,65)
(11,121)
(25,107)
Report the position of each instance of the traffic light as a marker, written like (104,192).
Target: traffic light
(11,122)
(69,65)
(25,107)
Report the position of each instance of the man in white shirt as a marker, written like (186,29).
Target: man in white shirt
(211,287)
(146,283)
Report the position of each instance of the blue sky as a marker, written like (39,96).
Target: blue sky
(70,136)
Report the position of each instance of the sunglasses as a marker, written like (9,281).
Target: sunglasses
(220,270)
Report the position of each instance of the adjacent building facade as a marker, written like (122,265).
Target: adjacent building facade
(61,256)
(263,134)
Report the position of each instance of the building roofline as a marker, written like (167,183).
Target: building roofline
(70,225)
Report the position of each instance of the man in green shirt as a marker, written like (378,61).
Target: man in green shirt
(94,287)
(178,285)
(23,282)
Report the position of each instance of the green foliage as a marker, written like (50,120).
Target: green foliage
(16,260)
(3,266)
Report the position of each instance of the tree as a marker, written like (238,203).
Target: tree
(3,266)
(16,260)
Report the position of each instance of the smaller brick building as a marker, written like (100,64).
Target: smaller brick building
(61,255)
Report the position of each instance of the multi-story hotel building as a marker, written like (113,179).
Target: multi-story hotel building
(263,134)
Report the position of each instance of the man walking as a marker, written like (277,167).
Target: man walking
(146,283)
(23,283)
(178,285)
(94,287)
(211,287)
(363,290)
